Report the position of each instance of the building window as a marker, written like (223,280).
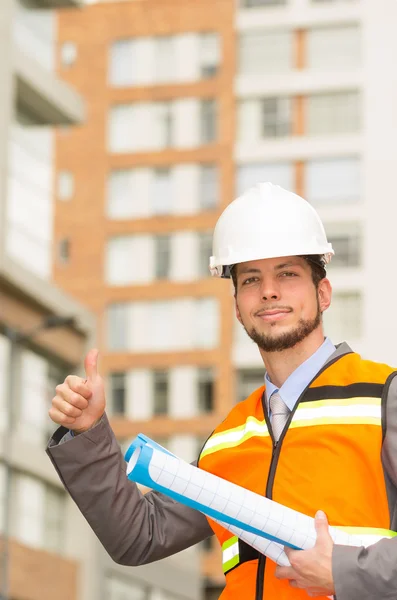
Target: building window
(163,441)
(124,264)
(276,117)
(208,120)
(209,54)
(343,319)
(331,1)
(207,546)
(120,589)
(31,418)
(160,392)
(118,392)
(249,380)
(117,326)
(334,47)
(346,242)
(162,256)
(161,197)
(207,322)
(278,173)
(119,260)
(212,591)
(166,325)
(185,447)
(205,251)
(127,192)
(68,54)
(65,185)
(4,372)
(265,118)
(261,3)
(55,376)
(265,51)
(250,121)
(333,181)
(161,594)
(119,195)
(122,130)
(160,327)
(209,187)
(54,519)
(30,507)
(141,127)
(205,390)
(334,113)
(165,59)
(164,123)
(123,58)
(64,250)
(2,495)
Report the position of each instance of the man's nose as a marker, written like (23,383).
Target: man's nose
(270,290)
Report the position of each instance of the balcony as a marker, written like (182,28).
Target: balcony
(50,100)
(59,3)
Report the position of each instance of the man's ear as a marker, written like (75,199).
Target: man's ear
(324,294)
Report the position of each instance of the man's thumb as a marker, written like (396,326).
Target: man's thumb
(90,364)
(321,523)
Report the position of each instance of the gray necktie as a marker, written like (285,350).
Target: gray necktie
(279,413)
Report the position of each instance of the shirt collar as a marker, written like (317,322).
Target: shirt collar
(299,379)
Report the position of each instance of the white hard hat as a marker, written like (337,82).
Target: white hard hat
(266,222)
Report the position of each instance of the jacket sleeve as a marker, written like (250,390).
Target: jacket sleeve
(135,529)
(366,573)
(371,573)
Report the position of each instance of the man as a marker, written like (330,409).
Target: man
(311,437)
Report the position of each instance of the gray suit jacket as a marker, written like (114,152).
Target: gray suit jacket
(137,529)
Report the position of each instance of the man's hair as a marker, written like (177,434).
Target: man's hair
(316,263)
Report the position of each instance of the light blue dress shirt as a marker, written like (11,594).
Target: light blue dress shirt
(299,379)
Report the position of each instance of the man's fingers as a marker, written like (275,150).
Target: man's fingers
(292,555)
(289,552)
(64,407)
(91,364)
(316,592)
(76,384)
(59,417)
(303,584)
(322,527)
(73,398)
(285,573)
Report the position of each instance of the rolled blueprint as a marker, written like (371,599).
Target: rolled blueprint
(262,523)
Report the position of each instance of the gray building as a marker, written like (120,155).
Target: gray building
(44,334)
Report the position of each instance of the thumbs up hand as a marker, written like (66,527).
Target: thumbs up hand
(80,403)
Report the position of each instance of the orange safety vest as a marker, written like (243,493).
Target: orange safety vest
(328,457)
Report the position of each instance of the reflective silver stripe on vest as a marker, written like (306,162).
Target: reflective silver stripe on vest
(230,554)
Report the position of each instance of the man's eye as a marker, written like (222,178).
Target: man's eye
(288,274)
(249,280)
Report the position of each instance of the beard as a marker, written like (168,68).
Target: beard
(288,339)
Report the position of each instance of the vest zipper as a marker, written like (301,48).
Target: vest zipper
(260,573)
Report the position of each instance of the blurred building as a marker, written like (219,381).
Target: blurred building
(139,188)
(43,332)
(188,104)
